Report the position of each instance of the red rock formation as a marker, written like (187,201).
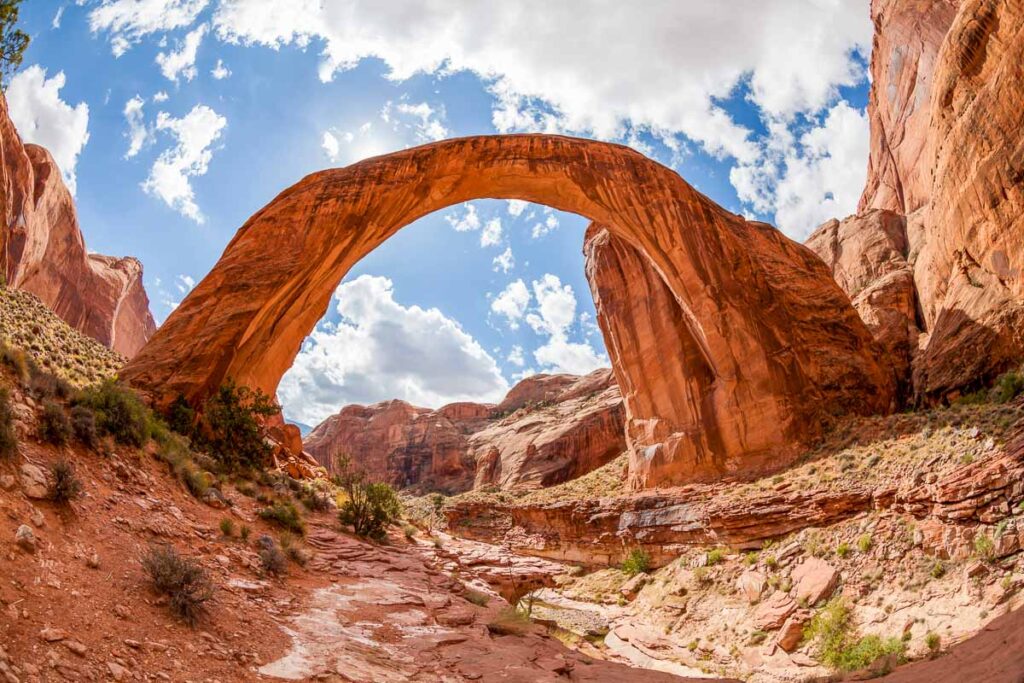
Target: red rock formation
(549,429)
(602,531)
(782,342)
(946,152)
(42,251)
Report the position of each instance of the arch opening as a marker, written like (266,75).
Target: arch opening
(780,337)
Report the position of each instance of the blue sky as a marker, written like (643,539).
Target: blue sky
(175,120)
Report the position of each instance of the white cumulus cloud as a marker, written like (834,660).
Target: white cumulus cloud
(170,177)
(182,62)
(382,350)
(554,315)
(490,236)
(129,21)
(43,118)
(220,71)
(137,132)
(809,180)
(505,261)
(467,221)
(512,303)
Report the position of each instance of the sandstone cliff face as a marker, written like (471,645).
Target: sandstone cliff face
(947,156)
(42,251)
(550,428)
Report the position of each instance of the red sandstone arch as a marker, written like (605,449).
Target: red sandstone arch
(775,339)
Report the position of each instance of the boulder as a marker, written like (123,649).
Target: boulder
(773,612)
(752,585)
(34,481)
(25,538)
(791,634)
(814,580)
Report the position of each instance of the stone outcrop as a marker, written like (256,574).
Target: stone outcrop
(42,251)
(602,531)
(948,158)
(783,344)
(549,429)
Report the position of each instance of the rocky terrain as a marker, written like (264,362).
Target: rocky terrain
(806,463)
(42,251)
(549,429)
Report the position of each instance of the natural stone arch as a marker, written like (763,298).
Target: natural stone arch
(776,333)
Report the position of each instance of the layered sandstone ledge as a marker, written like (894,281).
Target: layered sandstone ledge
(951,472)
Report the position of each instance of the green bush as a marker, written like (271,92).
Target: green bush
(933,641)
(227,527)
(838,645)
(231,426)
(64,483)
(369,508)
(285,515)
(984,547)
(182,580)
(938,570)
(119,412)
(8,435)
(54,426)
(1008,387)
(637,562)
(715,555)
(843,549)
(864,543)
(83,421)
(181,417)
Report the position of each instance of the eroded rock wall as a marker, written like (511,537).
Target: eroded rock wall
(549,429)
(42,251)
(947,155)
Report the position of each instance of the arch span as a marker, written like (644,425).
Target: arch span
(771,336)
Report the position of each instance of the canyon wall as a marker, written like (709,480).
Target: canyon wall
(42,251)
(947,167)
(549,429)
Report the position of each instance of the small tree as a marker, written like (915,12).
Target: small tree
(232,425)
(13,41)
(370,507)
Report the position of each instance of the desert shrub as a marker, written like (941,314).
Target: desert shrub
(227,527)
(244,532)
(293,549)
(196,481)
(864,543)
(54,426)
(285,515)
(247,489)
(315,498)
(272,559)
(1008,387)
(119,412)
(409,530)
(43,385)
(476,597)
(231,425)
(83,421)
(843,549)
(64,483)
(184,581)
(181,417)
(370,508)
(756,638)
(715,555)
(984,547)
(8,435)
(933,641)
(17,361)
(838,645)
(636,562)
(938,570)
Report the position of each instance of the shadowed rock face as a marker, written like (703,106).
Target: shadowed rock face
(948,156)
(780,338)
(42,251)
(549,429)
